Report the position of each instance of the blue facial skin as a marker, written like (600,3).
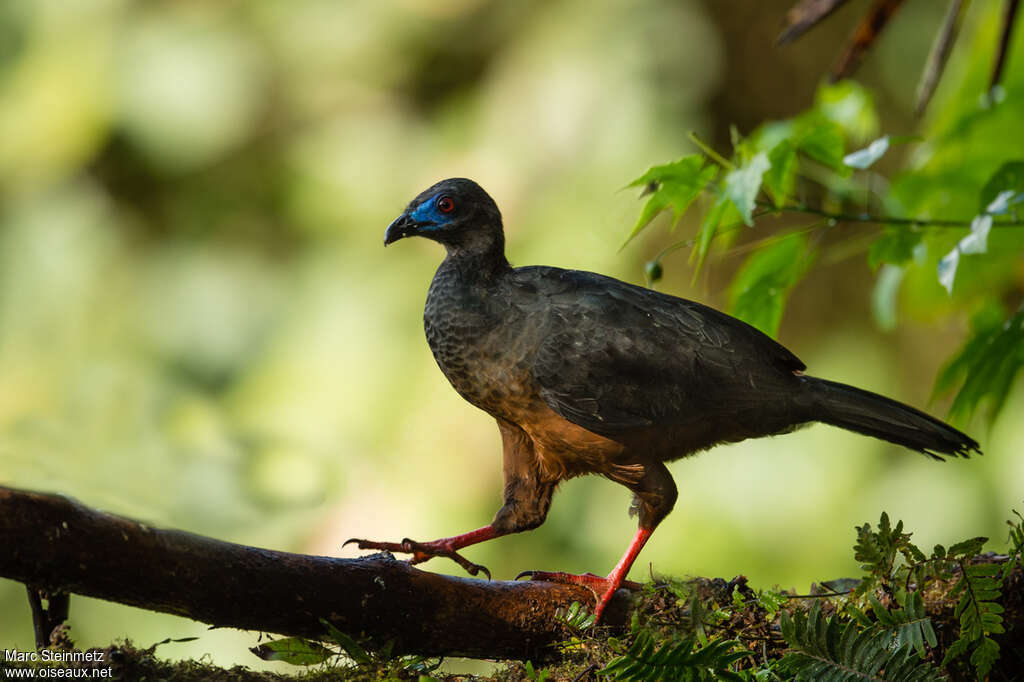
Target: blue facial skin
(428,217)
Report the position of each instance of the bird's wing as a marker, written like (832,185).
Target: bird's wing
(616,357)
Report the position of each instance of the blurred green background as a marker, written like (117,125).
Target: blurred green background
(199,326)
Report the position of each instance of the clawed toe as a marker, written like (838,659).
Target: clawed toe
(603,588)
(421,551)
(597,583)
(402,547)
(467,565)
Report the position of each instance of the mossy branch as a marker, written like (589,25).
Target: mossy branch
(61,546)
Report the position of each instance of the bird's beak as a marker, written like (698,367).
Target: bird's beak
(402,226)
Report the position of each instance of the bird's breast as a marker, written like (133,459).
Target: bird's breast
(480,345)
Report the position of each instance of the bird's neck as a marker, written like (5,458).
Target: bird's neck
(477,265)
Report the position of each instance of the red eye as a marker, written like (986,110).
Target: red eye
(445,205)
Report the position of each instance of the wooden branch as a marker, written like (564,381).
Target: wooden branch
(939,54)
(864,36)
(56,544)
(803,16)
(1009,19)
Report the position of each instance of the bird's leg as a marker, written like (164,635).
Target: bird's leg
(527,499)
(604,588)
(655,496)
(444,547)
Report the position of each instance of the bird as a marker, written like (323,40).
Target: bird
(586,374)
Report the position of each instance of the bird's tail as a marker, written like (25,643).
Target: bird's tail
(874,415)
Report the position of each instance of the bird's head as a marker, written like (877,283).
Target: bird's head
(455,212)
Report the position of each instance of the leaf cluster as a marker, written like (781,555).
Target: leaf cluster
(761,175)
(676,660)
(979,614)
(772,170)
(825,648)
(977,589)
(909,624)
(987,365)
(340,649)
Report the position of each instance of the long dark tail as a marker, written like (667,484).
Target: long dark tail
(874,415)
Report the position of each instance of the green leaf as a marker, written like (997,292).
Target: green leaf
(294,650)
(743,184)
(780,179)
(1009,178)
(987,365)
(708,228)
(771,134)
(787,626)
(771,601)
(350,646)
(675,660)
(820,139)
(967,548)
(576,617)
(984,324)
(883,296)
(759,291)
(864,158)
(985,656)
(673,186)
(851,106)
(896,245)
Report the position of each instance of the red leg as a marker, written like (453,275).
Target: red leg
(446,547)
(621,569)
(604,588)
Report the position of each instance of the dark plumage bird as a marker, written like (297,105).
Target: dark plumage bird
(587,374)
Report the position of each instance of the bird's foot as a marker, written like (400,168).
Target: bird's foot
(422,551)
(603,588)
(595,582)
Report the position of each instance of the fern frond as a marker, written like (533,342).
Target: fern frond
(909,625)
(576,617)
(1016,550)
(967,548)
(675,660)
(877,552)
(825,649)
(980,614)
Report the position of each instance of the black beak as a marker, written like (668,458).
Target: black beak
(403,226)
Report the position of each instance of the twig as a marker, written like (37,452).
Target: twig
(803,16)
(865,35)
(939,54)
(884,219)
(46,618)
(710,151)
(1009,19)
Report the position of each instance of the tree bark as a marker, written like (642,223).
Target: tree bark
(56,544)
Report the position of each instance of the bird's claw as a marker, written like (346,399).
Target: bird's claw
(603,588)
(421,551)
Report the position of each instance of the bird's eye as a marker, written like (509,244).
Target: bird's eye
(445,205)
